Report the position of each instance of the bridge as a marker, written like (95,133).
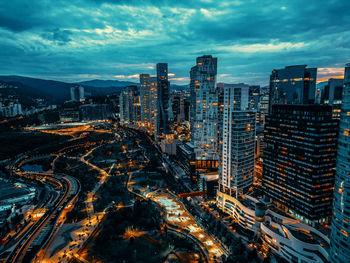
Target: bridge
(190,194)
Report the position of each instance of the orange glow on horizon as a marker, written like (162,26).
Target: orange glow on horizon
(326,73)
(328,77)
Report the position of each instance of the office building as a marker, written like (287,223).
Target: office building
(153,106)
(293,85)
(238,140)
(282,234)
(340,241)
(299,160)
(332,95)
(69,112)
(254,97)
(204,111)
(129,101)
(145,96)
(175,108)
(163,86)
(77,93)
(263,106)
(93,112)
(186,159)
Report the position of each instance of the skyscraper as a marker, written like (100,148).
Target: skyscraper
(340,241)
(129,105)
(263,106)
(238,140)
(145,93)
(163,87)
(204,111)
(332,95)
(153,103)
(293,85)
(77,93)
(254,97)
(299,160)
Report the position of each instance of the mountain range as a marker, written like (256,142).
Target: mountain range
(57,92)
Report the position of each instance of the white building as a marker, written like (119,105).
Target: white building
(129,102)
(283,234)
(77,93)
(238,140)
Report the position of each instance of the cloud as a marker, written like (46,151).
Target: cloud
(58,36)
(127,37)
(270,47)
(135,76)
(180,79)
(330,71)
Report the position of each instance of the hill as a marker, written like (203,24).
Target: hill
(106,83)
(57,92)
(54,91)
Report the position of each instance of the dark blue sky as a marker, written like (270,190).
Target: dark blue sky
(75,40)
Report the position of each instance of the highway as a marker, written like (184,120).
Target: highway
(37,235)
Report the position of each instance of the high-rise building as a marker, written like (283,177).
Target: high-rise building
(254,97)
(293,85)
(153,103)
(332,95)
(263,106)
(163,87)
(77,93)
(299,160)
(129,100)
(181,115)
(145,94)
(340,241)
(238,140)
(175,106)
(204,111)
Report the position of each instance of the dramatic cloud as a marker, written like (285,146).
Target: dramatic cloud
(77,40)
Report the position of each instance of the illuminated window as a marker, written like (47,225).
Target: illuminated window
(344,232)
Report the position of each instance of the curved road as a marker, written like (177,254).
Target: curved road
(22,251)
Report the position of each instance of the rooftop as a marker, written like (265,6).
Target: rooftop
(8,190)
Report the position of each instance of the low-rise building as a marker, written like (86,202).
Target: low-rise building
(282,233)
(14,194)
(186,158)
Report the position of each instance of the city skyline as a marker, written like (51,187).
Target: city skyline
(129,38)
(175,131)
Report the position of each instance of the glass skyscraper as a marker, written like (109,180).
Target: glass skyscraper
(293,85)
(204,111)
(299,160)
(340,241)
(162,99)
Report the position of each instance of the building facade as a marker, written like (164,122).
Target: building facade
(340,241)
(163,87)
(129,101)
(238,140)
(204,111)
(77,93)
(153,103)
(145,96)
(293,85)
(280,233)
(299,160)
(332,95)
